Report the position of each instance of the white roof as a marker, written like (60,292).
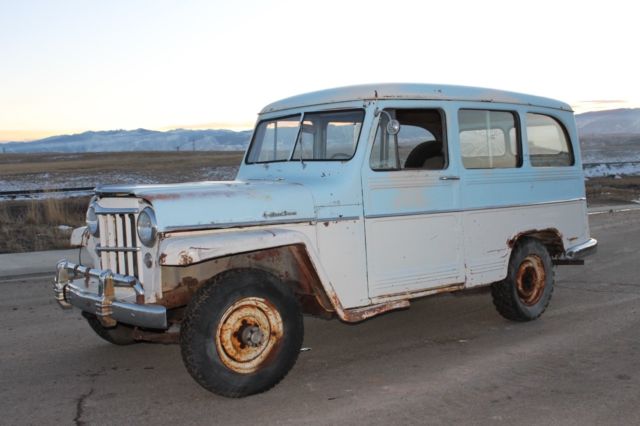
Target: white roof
(411,91)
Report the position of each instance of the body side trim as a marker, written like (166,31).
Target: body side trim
(424,212)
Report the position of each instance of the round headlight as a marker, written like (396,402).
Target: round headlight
(92,222)
(147,229)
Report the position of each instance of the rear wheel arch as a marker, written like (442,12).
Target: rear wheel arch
(550,238)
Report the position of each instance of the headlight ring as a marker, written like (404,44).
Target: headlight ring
(147,227)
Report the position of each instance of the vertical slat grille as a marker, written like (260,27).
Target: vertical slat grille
(128,235)
(120,242)
(119,250)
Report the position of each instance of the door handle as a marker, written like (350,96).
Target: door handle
(449,177)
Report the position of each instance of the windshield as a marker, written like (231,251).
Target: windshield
(313,136)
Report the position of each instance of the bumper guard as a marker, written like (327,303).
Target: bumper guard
(104,305)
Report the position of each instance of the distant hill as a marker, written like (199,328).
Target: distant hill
(136,140)
(610,136)
(613,121)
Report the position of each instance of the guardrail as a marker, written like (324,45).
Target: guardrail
(27,194)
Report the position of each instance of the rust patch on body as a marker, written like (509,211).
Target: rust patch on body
(87,275)
(266,255)
(192,194)
(181,295)
(309,279)
(550,237)
(185,259)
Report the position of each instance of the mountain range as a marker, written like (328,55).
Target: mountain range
(613,121)
(616,128)
(136,140)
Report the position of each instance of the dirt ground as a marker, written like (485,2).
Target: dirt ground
(55,170)
(613,190)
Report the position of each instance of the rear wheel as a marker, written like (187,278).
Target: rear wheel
(241,333)
(121,334)
(526,291)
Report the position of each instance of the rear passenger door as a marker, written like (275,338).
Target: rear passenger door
(494,188)
(411,205)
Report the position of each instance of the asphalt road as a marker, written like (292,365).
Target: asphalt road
(447,359)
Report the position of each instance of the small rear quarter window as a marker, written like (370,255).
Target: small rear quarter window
(548,142)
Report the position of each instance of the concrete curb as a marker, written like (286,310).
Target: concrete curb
(37,262)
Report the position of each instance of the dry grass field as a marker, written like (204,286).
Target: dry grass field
(36,225)
(613,190)
(55,170)
(31,225)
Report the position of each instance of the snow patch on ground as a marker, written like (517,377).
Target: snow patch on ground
(612,169)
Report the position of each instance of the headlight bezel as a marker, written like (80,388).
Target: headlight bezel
(148,232)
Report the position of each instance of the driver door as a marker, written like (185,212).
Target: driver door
(411,206)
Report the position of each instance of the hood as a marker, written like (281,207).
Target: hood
(204,205)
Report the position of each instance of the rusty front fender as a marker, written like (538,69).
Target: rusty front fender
(184,250)
(188,249)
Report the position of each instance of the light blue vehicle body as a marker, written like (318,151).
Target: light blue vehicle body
(370,240)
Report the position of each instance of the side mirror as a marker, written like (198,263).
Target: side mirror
(393,125)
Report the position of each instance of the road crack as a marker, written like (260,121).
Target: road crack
(80,407)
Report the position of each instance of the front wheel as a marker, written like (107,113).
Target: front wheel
(241,333)
(526,291)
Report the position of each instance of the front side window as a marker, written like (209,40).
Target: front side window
(274,139)
(314,136)
(420,144)
(329,135)
(488,139)
(548,142)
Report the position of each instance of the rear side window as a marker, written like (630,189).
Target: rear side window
(548,142)
(489,139)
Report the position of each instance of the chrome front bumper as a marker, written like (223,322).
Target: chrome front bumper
(582,250)
(103,304)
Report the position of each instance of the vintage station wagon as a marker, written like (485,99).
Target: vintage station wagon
(349,202)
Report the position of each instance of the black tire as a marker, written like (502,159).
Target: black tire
(241,333)
(526,291)
(120,335)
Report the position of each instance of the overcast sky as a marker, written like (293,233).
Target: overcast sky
(71,66)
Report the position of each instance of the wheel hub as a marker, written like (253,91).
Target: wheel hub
(251,336)
(530,280)
(247,334)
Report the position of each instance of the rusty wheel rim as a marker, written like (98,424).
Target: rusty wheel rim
(247,333)
(530,280)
